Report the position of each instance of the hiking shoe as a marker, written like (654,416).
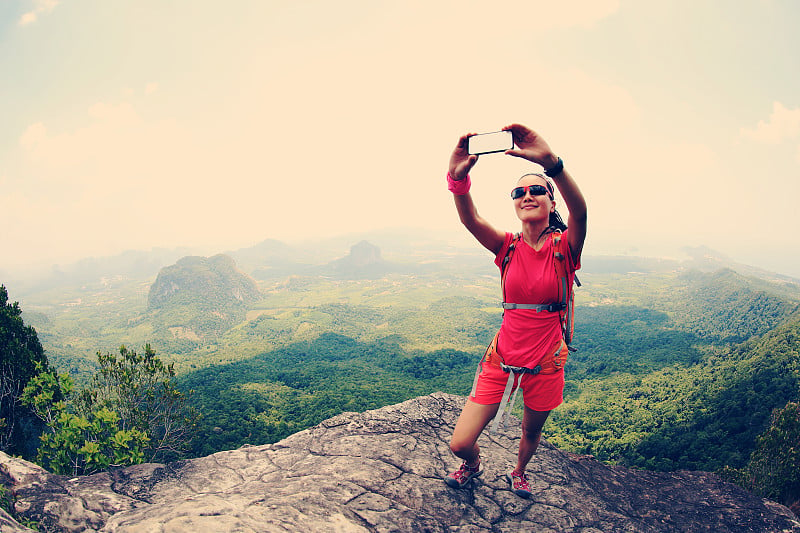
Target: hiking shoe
(519,484)
(462,476)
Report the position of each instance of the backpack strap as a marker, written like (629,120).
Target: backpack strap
(566,295)
(505,263)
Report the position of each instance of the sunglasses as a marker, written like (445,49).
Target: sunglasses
(535,190)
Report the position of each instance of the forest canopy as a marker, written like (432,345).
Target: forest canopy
(675,369)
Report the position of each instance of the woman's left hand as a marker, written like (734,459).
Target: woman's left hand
(531,146)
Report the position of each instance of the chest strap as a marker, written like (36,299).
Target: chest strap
(553,308)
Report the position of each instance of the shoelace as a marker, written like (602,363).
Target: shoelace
(465,470)
(521,482)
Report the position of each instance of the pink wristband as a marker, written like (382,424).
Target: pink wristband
(458,187)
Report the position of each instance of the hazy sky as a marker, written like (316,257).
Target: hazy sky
(129,124)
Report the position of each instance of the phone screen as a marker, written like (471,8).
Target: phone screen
(488,143)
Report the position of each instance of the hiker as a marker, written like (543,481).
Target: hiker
(530,347)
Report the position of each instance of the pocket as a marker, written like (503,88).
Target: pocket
(560,354)
(491,355)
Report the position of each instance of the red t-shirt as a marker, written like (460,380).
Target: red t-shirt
(526,335)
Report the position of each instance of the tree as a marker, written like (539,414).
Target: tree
(76,444)
(774,467)
(129,413)
(21,358)
(140,389)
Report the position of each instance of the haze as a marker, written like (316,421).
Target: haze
(142,123)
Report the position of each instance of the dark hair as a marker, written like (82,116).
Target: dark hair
(556,223)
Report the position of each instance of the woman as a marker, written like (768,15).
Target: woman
(527,335)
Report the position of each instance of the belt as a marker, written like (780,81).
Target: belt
(550,364)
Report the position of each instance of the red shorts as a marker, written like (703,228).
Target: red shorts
(542,392)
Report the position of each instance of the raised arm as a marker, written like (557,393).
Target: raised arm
(531,146)
(486,234)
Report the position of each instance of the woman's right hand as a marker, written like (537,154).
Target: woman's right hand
(461,162)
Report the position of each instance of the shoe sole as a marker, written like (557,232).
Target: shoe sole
(452,483)
(519,492)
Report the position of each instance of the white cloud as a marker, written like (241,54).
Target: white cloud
(33,136)
(586,12)
(131,181)
(516,15)
(783,124)
(113,147)
(40,7)
(344,114)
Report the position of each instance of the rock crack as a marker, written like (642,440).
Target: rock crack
(382,471)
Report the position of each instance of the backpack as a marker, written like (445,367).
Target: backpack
(566,296)
(563,306)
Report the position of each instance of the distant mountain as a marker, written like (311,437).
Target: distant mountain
(131,264)
(700,258)
(271,258)
(623,264)
(363,261)
(202,280)
(274,259)
(708,260)
(406,251)
(362,255)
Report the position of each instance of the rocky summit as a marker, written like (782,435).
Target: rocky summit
(381,471)
(202,280)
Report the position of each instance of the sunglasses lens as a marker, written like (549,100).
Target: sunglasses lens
(535,190)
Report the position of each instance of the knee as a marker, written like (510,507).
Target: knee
(532,433)
(460,447)
(532,424)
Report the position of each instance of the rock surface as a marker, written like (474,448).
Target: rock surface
(381,471)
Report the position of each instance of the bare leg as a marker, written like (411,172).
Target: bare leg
(472,421)
(532,424)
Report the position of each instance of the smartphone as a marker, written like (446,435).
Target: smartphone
(489,143)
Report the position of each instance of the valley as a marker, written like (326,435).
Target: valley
(666,349)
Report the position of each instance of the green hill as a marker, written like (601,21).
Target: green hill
(647,387)
(212,281)
(700,416)
(200,297)
(673,369)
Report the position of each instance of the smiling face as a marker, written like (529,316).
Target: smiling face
(531,208)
